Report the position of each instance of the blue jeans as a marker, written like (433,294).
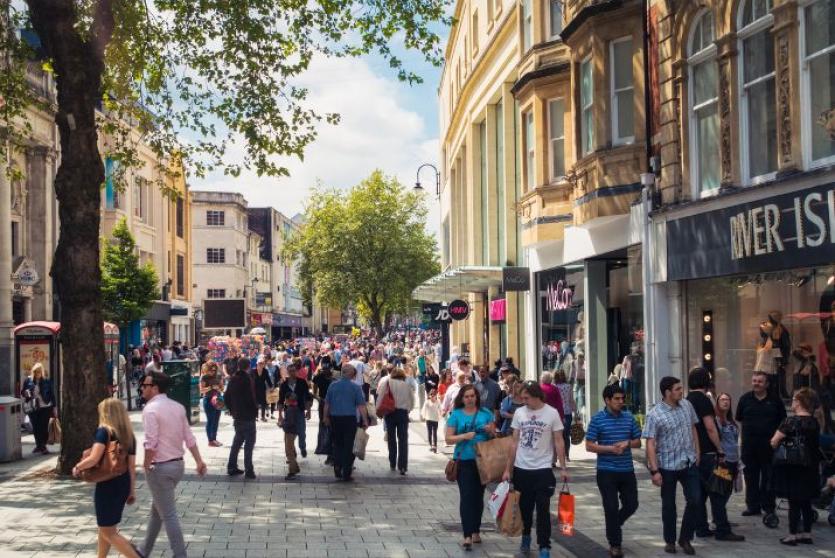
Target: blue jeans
(212,419)
(397,424)
(302,432)
(690,482)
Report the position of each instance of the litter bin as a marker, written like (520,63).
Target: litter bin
(185,386)
(11,416)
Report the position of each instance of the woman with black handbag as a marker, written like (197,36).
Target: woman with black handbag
(111,495)
(796,465)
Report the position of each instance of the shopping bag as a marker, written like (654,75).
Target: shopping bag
(510,520)
(491,458)
(272,396)
(323,442)
(54,435)
(360,441)
(721,482)
(498,499)
(577,432)
(372,419)
(565,511)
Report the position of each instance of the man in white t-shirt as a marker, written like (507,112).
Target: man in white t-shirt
(537,437)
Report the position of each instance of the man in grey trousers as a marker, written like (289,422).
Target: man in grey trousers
(166,431)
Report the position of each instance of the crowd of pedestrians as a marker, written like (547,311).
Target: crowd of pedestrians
(695,438)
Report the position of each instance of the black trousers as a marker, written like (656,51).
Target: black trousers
(798,508)
(244,436)
(619,493)
(471,493)
(343,431)
(432,432)
(535,490)
(40,425)
(397,426)
(692,485)
(759,494)
(718,503)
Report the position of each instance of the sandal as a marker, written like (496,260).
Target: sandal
(476,540)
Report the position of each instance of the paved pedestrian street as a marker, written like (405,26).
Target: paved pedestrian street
(381,514)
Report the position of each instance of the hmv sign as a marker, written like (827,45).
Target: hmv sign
(558,296)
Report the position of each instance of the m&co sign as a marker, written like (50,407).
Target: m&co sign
(559,296)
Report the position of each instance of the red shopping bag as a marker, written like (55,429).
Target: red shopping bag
(565,511)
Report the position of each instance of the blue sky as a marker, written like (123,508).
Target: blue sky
(385,124)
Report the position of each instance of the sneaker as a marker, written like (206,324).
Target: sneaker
(234,472)
(525,545)
(731,537)
(250,475)
(544,553)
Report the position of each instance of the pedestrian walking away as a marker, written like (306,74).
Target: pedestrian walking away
(397,422)
(672,459)
(110,496)
(211,386)
(569,408)
(537,437)
(711,456)
(467,425)
(294,403)
(343,404)
(166,432)
(759,414)
(241,401)
(799,480)
(612,434)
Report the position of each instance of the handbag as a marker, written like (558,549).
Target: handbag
(113,463)
(491,458)
(565,511)
(54,436)
(386,405)
(323,441)
(721,482)
(792,450)
(451,469)
(577,432)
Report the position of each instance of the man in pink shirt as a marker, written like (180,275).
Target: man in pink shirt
(166,431)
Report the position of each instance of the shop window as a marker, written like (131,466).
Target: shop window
(216,293)
(758,98)
(216,255)
(527,25)
(623,91)
(559,313)
(554,18)
(586,114)
(556,138)
(817,45)
(530,151)
(215,218)
(703,81)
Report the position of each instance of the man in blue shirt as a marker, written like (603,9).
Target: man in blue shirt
(612,434)
(343,403)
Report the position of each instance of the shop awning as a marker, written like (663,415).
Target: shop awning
(457,282)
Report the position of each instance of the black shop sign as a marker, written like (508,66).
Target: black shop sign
(782,232)
(459,310)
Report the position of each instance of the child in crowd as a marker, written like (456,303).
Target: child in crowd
(432,414)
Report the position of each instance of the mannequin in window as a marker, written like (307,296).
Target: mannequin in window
(632,367)
(806,374)
(782,342)
(765,362)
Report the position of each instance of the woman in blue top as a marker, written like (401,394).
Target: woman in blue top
(467,425)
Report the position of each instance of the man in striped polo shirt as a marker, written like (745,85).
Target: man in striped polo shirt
(612,434)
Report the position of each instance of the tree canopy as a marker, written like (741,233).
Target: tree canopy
(368,247)
(127,288)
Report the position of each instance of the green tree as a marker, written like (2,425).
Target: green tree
(209,72)
(369,247)
(127,288)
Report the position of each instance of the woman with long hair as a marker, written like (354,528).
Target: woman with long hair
(111,496)
(728,434)
(39,395)
(569,408)
(446,381)
(467,425)
(211,385)
(397,422)
(799,483)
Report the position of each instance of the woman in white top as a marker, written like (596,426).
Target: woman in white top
(431,412)
(397,422)
(537,436)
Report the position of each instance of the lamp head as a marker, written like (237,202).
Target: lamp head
(418,187)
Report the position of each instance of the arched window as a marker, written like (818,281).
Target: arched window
(703,79)
(758,105)
(817,70)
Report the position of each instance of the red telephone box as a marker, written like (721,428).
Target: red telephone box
(40,342)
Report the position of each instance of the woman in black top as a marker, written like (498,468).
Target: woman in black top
(800,484)
(111,496)
(262,382)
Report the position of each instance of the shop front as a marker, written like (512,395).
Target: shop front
(758,289)
(286,326)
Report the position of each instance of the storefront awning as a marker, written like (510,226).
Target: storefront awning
(457,282)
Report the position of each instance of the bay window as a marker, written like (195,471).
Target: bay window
(586,115)
(556,138)
(530,159)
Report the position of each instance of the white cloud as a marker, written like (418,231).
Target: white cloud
(377,130)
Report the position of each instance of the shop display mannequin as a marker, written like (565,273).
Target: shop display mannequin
(633,367)
(806,374)
(782,342)
(767,357)
(578,381)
